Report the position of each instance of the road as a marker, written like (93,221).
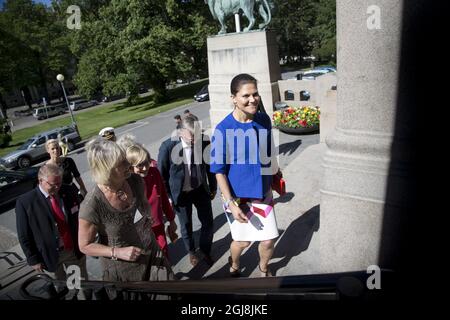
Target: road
(29,121)
(151,132)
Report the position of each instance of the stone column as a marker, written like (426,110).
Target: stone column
(356,164)
(255,53)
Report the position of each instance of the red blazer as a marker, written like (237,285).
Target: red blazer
(157,197)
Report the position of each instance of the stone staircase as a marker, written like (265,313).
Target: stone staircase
(14,272)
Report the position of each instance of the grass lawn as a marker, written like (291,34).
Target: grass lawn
(90,122)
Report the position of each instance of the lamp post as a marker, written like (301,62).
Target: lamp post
(60,78)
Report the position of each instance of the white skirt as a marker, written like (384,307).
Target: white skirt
(261,224)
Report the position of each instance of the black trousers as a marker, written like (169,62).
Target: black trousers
(202,202)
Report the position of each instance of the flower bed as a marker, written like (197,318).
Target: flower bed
(297,119)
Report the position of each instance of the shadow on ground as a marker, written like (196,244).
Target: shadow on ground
(296,238)
(284,198)
(177,251)
(289,148)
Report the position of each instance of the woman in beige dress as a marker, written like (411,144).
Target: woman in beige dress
(118,211)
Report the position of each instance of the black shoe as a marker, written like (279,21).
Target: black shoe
(233,271)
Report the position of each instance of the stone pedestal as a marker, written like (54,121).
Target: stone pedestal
(255,53)
(353,191)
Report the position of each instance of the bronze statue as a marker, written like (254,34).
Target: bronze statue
(221,9)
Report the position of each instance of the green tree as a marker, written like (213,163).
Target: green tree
(132,43)
(305,27)
(35,42)
(292,21)
(324,31)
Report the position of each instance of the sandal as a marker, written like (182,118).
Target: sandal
(233,271)
(266,273)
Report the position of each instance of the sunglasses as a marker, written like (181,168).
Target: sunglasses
(143,164)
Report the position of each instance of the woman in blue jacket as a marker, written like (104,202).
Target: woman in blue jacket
(241,158)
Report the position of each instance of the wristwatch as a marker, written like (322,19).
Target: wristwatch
(227,203)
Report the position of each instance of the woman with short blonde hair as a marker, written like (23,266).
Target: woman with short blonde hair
(156,194)
(103,156)
(67,164)
(117,210)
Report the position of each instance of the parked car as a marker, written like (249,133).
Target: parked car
(113,97)
(49,111)
(314,73)
(202,95)
(15,183)
(326,68)
(34,148)
(82,103)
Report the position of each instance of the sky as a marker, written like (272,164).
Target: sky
(46,2)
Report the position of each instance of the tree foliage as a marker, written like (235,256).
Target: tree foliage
(305,27)
(123,45)
(34,44)
(134,43)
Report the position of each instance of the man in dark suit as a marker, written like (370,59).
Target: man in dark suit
(189,182)
(47,226)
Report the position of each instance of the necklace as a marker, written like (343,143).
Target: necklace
(120,193)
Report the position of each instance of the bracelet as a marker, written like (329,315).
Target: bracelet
(113,256)
(232,200)
(227,203)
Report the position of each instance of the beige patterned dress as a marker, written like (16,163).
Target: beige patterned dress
(127,228)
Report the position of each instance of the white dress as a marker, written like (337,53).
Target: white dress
(261,224)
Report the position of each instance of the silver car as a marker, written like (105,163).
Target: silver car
(34,148)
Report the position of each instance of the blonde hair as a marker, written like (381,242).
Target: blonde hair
(126,141)
(103,156)
(50,142)
(137,154)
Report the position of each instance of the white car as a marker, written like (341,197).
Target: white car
(81,104)
(48,111)
(312,74)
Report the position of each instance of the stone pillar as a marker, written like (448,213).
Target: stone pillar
(255,53)
(356,164)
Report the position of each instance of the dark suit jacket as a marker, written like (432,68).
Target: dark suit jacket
(37,230)
(173,172)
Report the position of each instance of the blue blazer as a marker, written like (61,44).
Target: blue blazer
(242,152)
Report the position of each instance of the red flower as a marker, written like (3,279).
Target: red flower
(302,123)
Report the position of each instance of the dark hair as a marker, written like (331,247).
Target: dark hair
(239,80)
(187,111)
(178,117)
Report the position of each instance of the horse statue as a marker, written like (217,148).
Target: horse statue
(221,9)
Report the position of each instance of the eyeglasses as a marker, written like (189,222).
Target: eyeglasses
(143,164)
(53,185)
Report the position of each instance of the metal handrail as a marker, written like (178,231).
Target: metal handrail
(318,286)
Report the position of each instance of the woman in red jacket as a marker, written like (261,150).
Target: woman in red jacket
(156,194)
